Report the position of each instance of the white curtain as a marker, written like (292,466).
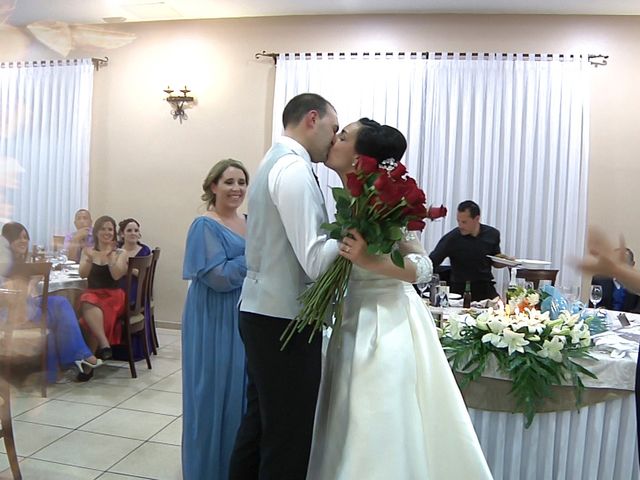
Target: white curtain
(509,133)
(45,127)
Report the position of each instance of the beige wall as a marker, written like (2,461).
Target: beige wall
(147,165)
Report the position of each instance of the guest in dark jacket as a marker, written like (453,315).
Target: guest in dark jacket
(614,295)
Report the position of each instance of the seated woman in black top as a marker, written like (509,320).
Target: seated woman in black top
(103,302)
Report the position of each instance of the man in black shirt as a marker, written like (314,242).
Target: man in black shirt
(467,248)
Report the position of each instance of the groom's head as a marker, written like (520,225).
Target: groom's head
(311,121)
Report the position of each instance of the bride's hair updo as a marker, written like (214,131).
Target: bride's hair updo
(379,141)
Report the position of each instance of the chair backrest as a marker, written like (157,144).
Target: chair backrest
(537,275)
(143,265)
(58,243)
(27,271)
(152,276)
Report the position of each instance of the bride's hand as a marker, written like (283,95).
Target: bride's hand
(354,248)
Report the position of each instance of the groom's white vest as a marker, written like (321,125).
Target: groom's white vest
(274,279)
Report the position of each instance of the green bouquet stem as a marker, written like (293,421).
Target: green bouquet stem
(325,298)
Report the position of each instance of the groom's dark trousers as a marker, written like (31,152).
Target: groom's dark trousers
(274,438)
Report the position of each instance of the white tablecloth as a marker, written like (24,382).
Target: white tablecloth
(61,280)
(599,442)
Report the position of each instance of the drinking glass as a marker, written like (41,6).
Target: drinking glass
(422,286)
(528,285)
(596,295)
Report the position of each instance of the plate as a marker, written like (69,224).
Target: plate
(526,263)
(504,261)
(455,296)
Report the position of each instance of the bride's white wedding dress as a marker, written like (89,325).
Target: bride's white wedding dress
(389,406)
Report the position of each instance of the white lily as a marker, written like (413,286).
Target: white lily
(455,327)
(533,299)
(495,339)
(580,334)
(552,349)
(515,341)
(495,325)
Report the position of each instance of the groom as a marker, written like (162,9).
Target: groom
(285,251)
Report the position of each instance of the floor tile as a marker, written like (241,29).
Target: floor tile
(19,405)
(172,383)
(33,469)
(155,401)
(171,434)
(166,340)
(31,437)
(4,462)
(121,377)
(158,461)
(165,366)
(100,394)
(63,414)
(90,450)
(128,423)
(117,476)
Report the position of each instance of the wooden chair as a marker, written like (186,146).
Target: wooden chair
(537,275)
(151,310)
(133,320)
(6,424)
(58,243)
(34,331)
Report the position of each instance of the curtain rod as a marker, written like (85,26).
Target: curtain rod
(594,59)
(97,63)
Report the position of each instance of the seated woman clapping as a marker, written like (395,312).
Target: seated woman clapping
(65,344)
(103,301)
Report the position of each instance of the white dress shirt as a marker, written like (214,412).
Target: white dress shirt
(297,196)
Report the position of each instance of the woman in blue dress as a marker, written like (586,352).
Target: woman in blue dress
(213,358)
(65,343)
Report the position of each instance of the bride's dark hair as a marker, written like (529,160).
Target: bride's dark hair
(379,141)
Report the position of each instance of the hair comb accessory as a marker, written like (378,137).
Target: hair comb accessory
(389,164)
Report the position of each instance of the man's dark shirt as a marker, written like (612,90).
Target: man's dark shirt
(468,255)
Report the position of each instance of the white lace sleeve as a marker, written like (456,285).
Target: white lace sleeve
(413,251)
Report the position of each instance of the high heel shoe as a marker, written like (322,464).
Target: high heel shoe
(104,353)
(85,377)
(80,363)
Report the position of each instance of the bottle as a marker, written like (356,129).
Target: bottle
(513,284)
(466,298)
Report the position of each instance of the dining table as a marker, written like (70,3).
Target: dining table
(597,440)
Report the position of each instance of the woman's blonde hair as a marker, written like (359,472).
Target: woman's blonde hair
(214,175)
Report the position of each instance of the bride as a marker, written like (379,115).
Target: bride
(389,406)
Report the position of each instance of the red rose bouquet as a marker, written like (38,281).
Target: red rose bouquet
(380,201)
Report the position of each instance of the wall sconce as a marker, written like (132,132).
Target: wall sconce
(178,102)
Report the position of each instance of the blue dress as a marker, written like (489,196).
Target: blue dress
(65,343)
(213,358)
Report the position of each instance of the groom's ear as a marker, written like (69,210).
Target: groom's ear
(311,118)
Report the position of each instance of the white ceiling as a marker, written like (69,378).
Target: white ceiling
(22,12)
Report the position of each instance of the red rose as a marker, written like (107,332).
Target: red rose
(366,165)
(415,196)
(391,195)
(382,182)
(415,225)
(417,211)
(354,185)
(437,212)
(398,172)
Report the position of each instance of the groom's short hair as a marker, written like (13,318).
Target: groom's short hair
(302,104)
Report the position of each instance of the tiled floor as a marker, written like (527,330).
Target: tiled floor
(111,428)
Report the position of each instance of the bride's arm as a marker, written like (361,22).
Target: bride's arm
(417,265)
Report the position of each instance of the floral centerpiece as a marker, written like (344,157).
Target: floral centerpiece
(521,298)
(532,349)
(380,201)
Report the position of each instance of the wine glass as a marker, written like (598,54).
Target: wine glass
(596,295)
(422,286)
